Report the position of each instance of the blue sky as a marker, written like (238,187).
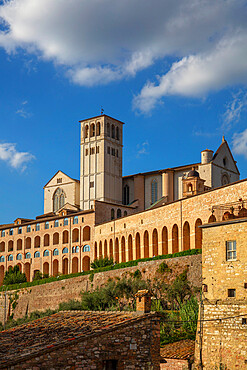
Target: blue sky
(174,72)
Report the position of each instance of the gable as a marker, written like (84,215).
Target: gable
(59,179)
(223,157)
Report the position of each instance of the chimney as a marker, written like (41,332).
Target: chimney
(143,301)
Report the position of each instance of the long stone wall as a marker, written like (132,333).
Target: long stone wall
(48,296)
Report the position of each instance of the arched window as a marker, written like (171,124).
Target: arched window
(10,245)
(86,248)
(146,244)
(37,241)
(98,129)
(47,225)
(108,129)
(3,233)
(56,252)
(2,247)
(10,257)
(28,228)
(112,214)
(36,254)
(86,233)
(126,194)
(37,227)
(2,259)
(56,223)
(186,236)
(20,230)
(138,246)
(11,232)
(113,131)
(75,249)
(28,255)
(19,256)
(46,253)
(119,213)
(75,220)
(58,199)
(28,243)
(125,213)
(155,242)
(86,131)
(65,250)
(65,237)
(175,238)
(65,222)
(46,240)
(75,236)
(154,191)
(92,130)
(198,233)
(117,133)
(55,238)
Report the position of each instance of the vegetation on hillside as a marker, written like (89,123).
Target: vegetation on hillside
(14,276)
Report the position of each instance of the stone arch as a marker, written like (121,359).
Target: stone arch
(212,218)
(20,266)
(55,238)
(242,212)
(100,249)
(55,267)
(155,242)
(86,132)
(198,234)
(75,235)
(123,252)
(164,240)
(175,238)
(186,236)
(95,250)
(92,130)
(46,268)
(75,264)
(111,248)
(138,246)
(130,248)
(28,243)
(86,263)
(98,128)
(65,266)
(46,240)
(65,237)
(228,216)
(86,233)
(105,248)
(2,247)
(146,244)
(10,245)
(27,268)
(19,244)
(1,274)
(37,242)
(116,251)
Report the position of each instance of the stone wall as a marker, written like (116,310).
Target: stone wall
(42,297)
(175,364)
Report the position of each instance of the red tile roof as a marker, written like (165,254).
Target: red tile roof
(183,350)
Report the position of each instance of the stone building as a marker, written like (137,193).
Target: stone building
(105,214)
(222,331)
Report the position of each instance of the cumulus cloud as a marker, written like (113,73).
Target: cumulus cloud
(234,109)
(13,158)
(99,42)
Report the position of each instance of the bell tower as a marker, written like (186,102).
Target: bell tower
(101,161)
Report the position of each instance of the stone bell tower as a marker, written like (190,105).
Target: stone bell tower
(101,161)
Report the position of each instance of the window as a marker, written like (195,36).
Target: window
(75,220)
(126,199)
(3,233)
(36,254)
(125,213)
(98,129)
(232,293)
(82,219)
(59,181)
(108,150)
(20,230)
(86,248)
(46,253)
(113,151)
(86,152)
(37,227)
(119,213)
(92,130)
(113,131)
(244,321)
(28,255)
(11,232)
(108,129)
(58,199)
(86,131)
(2,259)
(231,253)
(75,249)
(65,222)
(117,153)
(28,228)
(56,223)
(224,161)
(10,257)
(19,256)
(97,149)
(91,184)
(65,250)
(47,225)
(112,214)
(154,191)
(117,133)
(55,252)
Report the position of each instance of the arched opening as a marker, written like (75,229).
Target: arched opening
(1,274)
(75,236)
(113,131)
(2,247)
(130,248)
(242,212)
(198,234)
(123,253)
(19,244)
(92,130)
(119,213)
(100,249)
(164,240)
(27,270)
(65,266)
(117,133)
(28,243)
(228,216)
(138,246)
(20,266)
(86,132)
(98,129)
(86,263)
(146,244)
(116,251)
(46,240)
(55,267)
(175,238)
(58,199)
(155,242)
(75,265)
(10,246)
(186,236)
(105,248)
(108,129)
(86,233)
(112,214)
(55,238)
(212,218)
(95,251)
(65,237)
(111,248)
(46,268)
(37,242)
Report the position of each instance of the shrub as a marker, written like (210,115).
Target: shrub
(13,276)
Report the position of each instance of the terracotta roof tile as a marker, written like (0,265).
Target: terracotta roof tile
(183,350)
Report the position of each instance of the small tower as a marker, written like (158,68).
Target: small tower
(193,184)
(206,156)
(143,301)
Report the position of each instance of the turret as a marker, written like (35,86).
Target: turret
(206,156)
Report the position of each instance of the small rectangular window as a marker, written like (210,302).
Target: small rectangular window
(86,152)
(231,252)
(59,181)
(91,184)
(245,285)
(231,293)
(244,321)
(97,149)
(108,150)
(112,151)
(92,151)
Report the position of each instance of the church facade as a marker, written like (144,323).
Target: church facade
(106,214)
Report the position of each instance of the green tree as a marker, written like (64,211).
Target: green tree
(14,276)
(101,262)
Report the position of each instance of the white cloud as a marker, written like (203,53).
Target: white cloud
(13,158)
(142,148)
(240,143)
(234,109)
(22,111)
(99,42)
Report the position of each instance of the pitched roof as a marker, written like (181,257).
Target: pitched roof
(56,175)
(102,115)
(59,330)
(183,350)
(178,168)
(224,142)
